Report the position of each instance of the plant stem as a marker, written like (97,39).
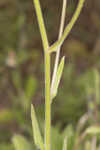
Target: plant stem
(58,51)
(68,27)
(41,24)
(47,102)
(97,82)
(47,75)
(47,55)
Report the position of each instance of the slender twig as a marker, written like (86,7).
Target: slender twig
(68,27)
(58,51)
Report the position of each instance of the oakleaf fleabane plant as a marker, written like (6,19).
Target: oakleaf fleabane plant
(51,86)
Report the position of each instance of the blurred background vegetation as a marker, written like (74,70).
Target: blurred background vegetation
(22,70)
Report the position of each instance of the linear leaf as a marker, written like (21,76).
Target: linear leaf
(21,143)
(36,132)
(58,78)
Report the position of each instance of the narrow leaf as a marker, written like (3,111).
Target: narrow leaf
(36,132)
(21,143)
(58,78)
(65,144)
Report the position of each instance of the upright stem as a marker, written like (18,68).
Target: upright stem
(47,102)
(47,74)
(41,24)
(47,64)
(58,50)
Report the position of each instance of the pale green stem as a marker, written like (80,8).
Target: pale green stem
(68,27)
(47,63)
(97,82)
(47,75)
(41,24)
(47,103)
(58,50)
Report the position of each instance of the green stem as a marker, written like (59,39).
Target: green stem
(97,80)
(68,27)
(47,74)
(41,24)
(58,50)
(47,102)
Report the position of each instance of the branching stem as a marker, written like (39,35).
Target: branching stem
(47,55)
(47,75)
(58,51)
(68,28)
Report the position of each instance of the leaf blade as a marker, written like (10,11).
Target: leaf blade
(58,78)
(21,143)
(36,132)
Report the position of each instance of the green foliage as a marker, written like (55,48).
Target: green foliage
(77,88)
(24,94)
(58,78)
(61,139)
(49,96)
(36,132)
(21,143)
(73,96)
